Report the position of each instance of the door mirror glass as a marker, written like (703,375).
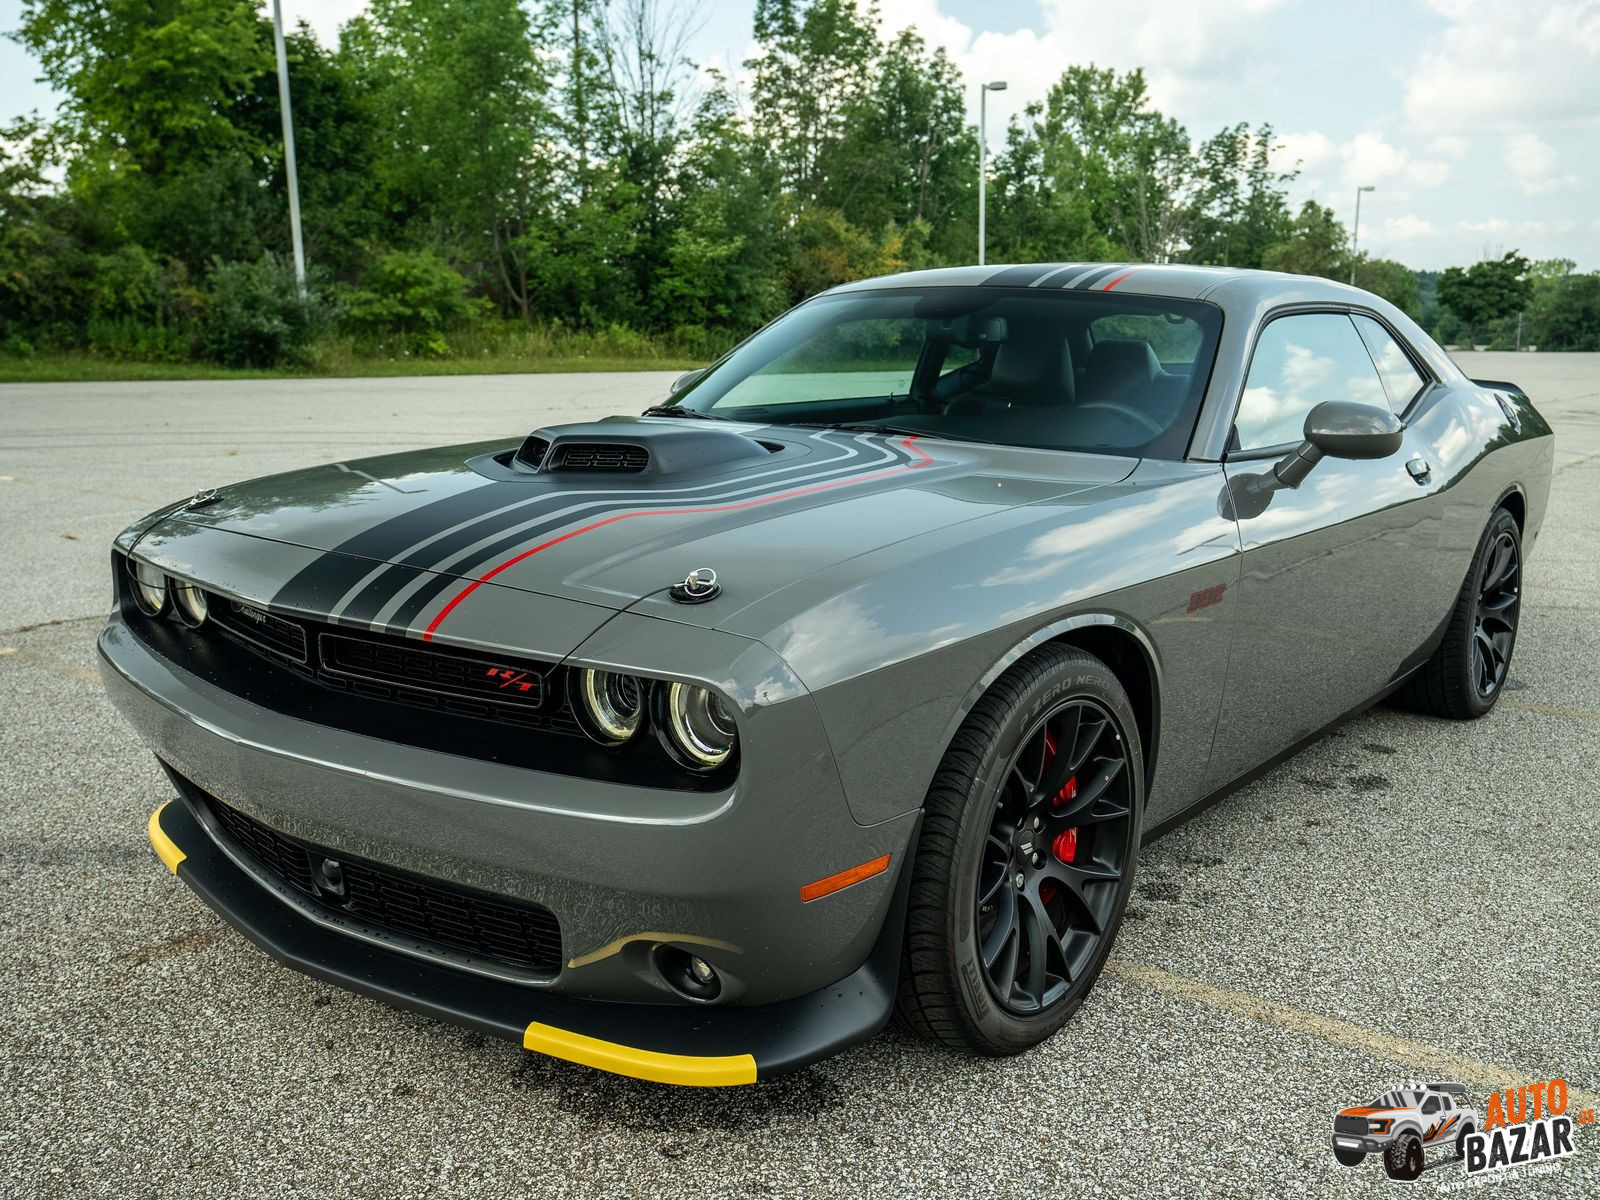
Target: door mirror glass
(1347,429)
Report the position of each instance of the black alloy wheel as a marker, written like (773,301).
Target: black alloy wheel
(1494,630)
(1058,843)
(1466,673)
(1026,856)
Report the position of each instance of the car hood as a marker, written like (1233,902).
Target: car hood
(403,540)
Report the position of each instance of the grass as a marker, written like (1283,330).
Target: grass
(75,368)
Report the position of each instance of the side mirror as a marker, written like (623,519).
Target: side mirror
(685,381)
(1333,429)
(1345,429)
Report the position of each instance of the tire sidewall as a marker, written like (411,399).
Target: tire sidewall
(1080,678)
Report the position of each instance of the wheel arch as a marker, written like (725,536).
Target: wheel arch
(1515,503)
(1114,639)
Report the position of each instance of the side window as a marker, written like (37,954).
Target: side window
(1299,362)
(1431,1104)
(1401,379)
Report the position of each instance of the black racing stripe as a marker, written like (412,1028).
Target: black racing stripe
(1088,282)
(448,547)
(594,504)
(370,602)
(1059,277)
(322,583)
(1015,276)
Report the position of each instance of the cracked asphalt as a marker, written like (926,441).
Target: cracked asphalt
(1408,897)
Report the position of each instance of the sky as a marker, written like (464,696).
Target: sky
(1476,121)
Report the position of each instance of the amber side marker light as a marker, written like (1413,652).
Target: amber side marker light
(844,879)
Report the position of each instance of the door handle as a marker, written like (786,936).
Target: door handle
(1419,468)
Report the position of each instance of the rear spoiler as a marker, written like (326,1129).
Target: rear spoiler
(1500,385)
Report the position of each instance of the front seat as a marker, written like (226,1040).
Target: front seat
(1121,376)
(1029,371)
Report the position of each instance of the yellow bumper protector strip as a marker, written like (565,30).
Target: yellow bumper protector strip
(166,849)
(684,1069)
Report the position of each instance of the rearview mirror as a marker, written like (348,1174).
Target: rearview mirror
(1345,429)
(684,381)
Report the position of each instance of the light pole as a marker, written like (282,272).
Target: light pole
(1355,231)
(983,156)
(288,150)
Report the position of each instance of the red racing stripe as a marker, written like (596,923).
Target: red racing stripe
(922,461)
(1117,280)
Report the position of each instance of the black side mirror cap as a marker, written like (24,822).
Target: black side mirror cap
(1345,429)
(687,379)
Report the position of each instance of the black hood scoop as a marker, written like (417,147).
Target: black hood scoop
(627,446)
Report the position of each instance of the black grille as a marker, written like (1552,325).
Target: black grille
(1355,1125)
(430,671)
(264,630)
(525,937)
(602,456)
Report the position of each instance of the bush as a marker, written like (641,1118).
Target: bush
(254,316)
(414,297)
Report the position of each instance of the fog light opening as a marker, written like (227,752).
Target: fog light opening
(691,976)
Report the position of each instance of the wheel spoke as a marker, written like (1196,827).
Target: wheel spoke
(1059,766)
(1040,934)
(1088,793)
(1075,879)
(1005,925)
(1089,736)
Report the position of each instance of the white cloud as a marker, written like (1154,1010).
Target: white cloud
(1449,146)
(1506,63)
(324,16)
(1407,228)
(1531,162)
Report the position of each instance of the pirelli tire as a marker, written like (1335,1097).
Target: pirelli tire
(1403,1159)
(1032,817)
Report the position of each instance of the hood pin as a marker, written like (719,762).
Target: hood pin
(697,587)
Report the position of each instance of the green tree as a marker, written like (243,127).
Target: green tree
(1317,245)
(1238,208)
(1395,282)
(1486,291)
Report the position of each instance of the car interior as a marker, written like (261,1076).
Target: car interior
(1036,370)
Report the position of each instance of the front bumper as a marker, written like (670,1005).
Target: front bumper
(705,1046)
(622,868)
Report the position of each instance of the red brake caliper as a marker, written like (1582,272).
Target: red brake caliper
(1065,843)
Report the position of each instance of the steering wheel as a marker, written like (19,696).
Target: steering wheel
(1143,420)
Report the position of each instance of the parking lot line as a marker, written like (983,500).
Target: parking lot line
(1417,1057)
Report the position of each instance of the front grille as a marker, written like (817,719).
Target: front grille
(430,671)
(1353,1125)
(602,456)
(264,630)
(525,937)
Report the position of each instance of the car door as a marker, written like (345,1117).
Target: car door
(1337,584)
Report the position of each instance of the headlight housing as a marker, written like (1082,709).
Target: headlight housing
(190,602)
(149,588)
(610,704)
(700,728)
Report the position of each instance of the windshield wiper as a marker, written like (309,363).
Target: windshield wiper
(678,410)
(851,427)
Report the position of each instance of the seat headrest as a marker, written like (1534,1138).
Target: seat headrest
(1033,369)
(1118,364)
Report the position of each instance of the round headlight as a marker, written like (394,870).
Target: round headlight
(190,602)
(613,704)
(702,728)
(149,588)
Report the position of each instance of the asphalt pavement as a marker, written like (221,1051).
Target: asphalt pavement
(1407,898)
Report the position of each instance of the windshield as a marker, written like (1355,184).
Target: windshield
(1019,367)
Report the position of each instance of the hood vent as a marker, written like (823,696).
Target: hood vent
(628,446)
(599,456)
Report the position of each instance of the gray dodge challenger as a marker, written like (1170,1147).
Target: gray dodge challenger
(843,685)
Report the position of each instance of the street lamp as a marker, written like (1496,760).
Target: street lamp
(983,156)
(1355,231)
(288,150)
